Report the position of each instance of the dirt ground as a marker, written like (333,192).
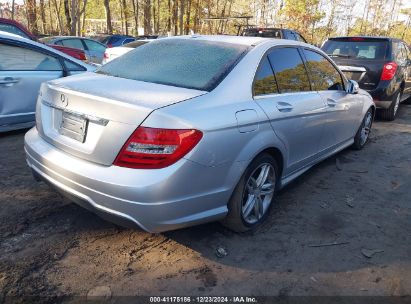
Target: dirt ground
(358,202)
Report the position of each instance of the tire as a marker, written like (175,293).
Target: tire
(241,219)
(363,133)
(390,113)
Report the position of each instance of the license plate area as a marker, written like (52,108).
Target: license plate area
(353,75)
(74,126)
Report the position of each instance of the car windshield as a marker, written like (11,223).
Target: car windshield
(187,63)
(356,48)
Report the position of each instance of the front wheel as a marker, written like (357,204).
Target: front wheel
(364,131)
(253,195)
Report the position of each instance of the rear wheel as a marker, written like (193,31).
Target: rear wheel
(253,195)
(364,131)
(390,113)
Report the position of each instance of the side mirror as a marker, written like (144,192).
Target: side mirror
(352,87)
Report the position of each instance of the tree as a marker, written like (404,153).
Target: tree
(125,12)
(135,11)
(147,17)
(12,10)
(108,17)
(32,16)
(43,16)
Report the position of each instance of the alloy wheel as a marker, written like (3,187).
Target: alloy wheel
(258,193)
(366,128)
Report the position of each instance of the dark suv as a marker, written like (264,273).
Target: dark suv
(380,65)
(274,33)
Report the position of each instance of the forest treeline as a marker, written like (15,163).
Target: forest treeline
(316,20)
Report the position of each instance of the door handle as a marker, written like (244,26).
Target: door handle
(284,107)
(331,102)
(8,81)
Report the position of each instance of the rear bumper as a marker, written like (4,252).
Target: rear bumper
(382,104)
(181,195)
(383,95)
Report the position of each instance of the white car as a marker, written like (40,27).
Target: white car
(113,53)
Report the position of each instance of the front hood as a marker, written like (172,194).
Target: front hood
(143,94)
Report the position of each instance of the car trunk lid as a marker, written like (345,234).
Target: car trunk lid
(91,116)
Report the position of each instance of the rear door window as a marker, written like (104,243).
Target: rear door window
(400,53)
(71,66)
(94,46)
(356,48)
(73,43)
(289,70)
(323,75)
(264,81)
(17,58)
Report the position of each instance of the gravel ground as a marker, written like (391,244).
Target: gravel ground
(357,202)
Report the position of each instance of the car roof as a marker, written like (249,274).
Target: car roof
(242,40)
(250,41)
(67,37)
(367,37)
(6,35)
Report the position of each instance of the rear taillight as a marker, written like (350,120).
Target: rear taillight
(83,56)
(150,148)
(388,71)
(106,55)
(109,45)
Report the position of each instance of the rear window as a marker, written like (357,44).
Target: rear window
(13,30)
(192,64)
(268,33)
(111,39)
(135,43)
(356,49)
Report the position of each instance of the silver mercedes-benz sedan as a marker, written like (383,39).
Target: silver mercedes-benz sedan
(187,130)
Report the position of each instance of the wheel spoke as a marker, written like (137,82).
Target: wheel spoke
(266,192)
(252,184)
(267,189)
(258,193)
(249,205)
(262,177)
(258,208)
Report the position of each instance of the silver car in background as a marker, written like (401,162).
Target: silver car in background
(188,130)
(94,50)
(24,65)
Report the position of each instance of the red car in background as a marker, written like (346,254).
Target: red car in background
(14,27)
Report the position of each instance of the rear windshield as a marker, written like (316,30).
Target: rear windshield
(356,49)
(187,63)
(110,39)
(267,33)
(135,43)
(47,39)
